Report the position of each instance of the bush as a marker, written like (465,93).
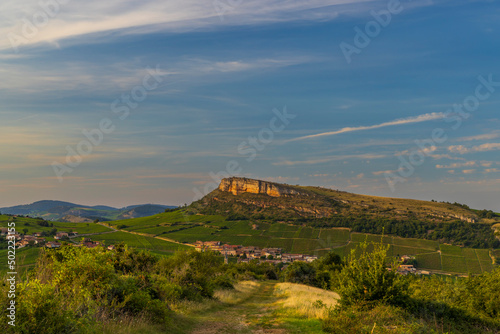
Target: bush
(365,280)
(301,272)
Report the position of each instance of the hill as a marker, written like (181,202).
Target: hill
(261,199)
(311,220)
(71,212)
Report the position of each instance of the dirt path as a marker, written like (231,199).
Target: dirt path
(251,316)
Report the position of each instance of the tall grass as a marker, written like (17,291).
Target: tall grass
(242,291)
(306,301)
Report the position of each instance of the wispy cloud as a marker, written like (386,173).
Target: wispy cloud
(492,170)
(480,148)
(457,165)
(402,121)
(98,18)
(487,136)
(328,159)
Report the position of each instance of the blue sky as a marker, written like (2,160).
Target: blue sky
(217,79)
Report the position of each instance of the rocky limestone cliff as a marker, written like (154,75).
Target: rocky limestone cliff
(239,185)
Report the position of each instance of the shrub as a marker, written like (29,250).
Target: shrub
(301,272)
(365,279)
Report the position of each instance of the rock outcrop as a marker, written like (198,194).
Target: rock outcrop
(239,185)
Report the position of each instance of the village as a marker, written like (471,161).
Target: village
(276,256)
(248,253)
(38,239)
(242,253)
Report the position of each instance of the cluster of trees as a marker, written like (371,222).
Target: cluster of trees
(457,233)
(45,223)
(371,296)
(77,289)
(487,214)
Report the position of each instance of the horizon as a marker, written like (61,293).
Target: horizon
(120,103)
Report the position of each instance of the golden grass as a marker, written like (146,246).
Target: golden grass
(242,290)
(306,301)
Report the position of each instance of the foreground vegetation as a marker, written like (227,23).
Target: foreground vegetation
(81,290)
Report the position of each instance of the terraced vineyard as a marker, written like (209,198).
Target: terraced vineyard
(429,254)
(148,232)
(38,225)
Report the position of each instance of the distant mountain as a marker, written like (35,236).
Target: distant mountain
(66,211)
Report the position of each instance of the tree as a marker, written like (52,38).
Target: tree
(301,272)
(365,280)
(25,230)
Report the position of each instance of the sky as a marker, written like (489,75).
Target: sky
(128,102)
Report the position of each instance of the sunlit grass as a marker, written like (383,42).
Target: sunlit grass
(242,290)
(305,301)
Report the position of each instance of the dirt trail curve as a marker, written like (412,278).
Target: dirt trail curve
(252,316)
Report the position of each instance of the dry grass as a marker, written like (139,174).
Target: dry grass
(242,290)
(306,301)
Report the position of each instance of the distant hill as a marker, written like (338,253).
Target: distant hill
(242,199)
(256,199)
(66,211)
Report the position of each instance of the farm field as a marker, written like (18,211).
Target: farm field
(429,254)
(25,259)
(139,241)
(32,225)
(318,241)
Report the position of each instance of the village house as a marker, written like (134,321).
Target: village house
(61,235)
(22,243)
(406,269)
(29,238)
(87,242)
(52,244)
(310,258)
(292,257)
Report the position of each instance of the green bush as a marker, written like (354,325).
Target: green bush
(365,280)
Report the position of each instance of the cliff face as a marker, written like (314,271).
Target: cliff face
(239,185)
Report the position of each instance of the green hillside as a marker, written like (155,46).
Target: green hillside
(294,238)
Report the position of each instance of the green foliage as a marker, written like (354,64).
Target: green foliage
(457,232)
(482,295)
(193,271)
(74,287)
(364,280)
(301,272)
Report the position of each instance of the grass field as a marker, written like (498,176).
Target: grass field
(472,261)
(431,261)
(139,241)
(32,225)
(308,240)
(450,250)
(455,264)
(25,259)
(292,238)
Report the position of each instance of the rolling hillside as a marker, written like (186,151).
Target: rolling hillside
(71,212)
